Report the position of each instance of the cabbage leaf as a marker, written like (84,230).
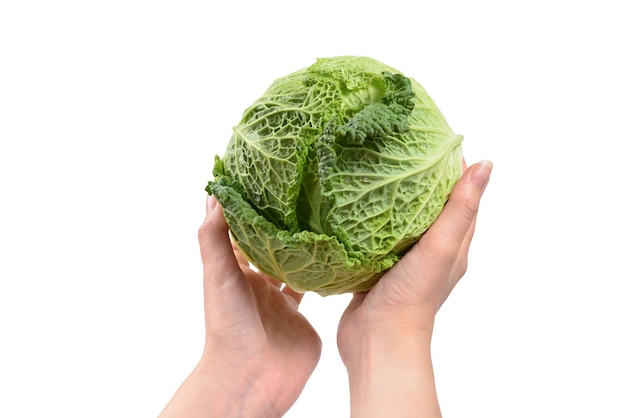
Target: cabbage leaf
(334,173)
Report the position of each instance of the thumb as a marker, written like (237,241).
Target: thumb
(216,250)
(447,234)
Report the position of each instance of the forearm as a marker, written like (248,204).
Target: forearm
(394,378)
(208,393)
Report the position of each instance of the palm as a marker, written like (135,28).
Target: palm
(262,336)
(414,289)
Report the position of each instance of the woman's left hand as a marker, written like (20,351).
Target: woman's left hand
(259,351)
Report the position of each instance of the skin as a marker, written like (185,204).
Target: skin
(385,334)
(260,351)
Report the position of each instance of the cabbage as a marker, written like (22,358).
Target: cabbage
(334,173)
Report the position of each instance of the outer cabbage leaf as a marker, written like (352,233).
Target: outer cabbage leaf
(303,260)
(335,172)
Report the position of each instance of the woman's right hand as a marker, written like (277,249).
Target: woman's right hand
(384,335)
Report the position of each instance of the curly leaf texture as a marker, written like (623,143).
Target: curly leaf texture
(335,172)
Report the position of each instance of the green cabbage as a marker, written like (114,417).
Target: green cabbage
(334,173)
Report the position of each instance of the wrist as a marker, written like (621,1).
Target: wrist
(232,393)
(378,353)
(391,374)
(214,390)
(370,341)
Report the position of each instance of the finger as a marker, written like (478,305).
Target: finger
(293,295)
(465,245)
(355,302)
(446,236)
(274,282)
(241,259)
(216,251)
(460,266)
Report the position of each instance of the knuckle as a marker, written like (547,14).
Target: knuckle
(468,209)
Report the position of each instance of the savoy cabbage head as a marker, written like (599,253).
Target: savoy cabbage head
(334,173)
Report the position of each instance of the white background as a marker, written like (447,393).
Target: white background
(111,113)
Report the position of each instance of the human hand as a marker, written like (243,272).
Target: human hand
(259,349)
(384,335)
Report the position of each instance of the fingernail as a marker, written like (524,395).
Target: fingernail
(480,175)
